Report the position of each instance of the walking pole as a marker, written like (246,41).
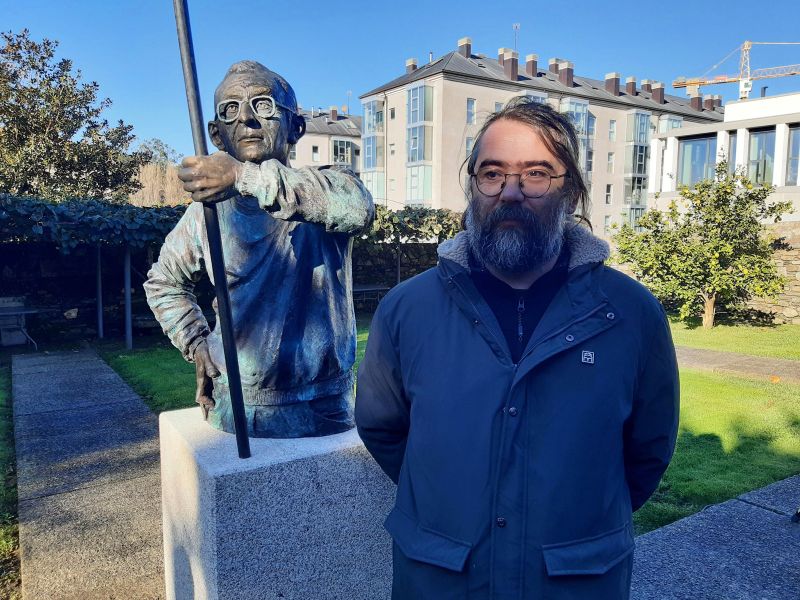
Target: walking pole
(212,231)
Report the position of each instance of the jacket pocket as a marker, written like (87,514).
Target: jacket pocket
(424,544)
(589,556)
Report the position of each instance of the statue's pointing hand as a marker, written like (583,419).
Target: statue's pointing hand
(210,178)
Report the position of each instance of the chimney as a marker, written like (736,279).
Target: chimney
(612,83)
(696,102)
(566,71)
(411,65)
(532,65)
(708,103)
(501,55)
(511,64)
(465,47)
(552,65)
(646,86)
(718,100)
(630,86)
(333,114)
(658,92)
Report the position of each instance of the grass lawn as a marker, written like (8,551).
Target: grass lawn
(9,555)
(780,341)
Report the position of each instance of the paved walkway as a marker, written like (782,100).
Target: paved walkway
(90,512)
(739,364)
(88,481)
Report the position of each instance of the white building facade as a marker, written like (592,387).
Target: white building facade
(330,139)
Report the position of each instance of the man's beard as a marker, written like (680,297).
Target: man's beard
(531,242)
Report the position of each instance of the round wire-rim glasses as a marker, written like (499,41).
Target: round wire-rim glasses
(263,106)
(533,184)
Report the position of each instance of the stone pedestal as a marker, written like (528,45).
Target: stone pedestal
(302,519)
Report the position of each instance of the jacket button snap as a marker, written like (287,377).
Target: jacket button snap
(513,411)
(569,337)
(476,322)
(610,316)
(501,522)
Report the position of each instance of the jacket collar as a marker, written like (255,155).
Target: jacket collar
(584,247)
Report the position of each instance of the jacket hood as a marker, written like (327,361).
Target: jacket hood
(585,248)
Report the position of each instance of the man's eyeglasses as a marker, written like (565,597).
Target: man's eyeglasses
(533,183)
(263,106)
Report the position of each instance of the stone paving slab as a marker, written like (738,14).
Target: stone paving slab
(782,496)
(88,457)
(96,543)
(59,422)
(24,363)
(44,395)
(739,364)
(729,551)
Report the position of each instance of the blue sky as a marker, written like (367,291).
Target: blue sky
(325,49)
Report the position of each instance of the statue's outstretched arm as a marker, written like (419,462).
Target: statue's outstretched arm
(331,196)
(171,280)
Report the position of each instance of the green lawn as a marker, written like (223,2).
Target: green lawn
(9,556)
(780,341)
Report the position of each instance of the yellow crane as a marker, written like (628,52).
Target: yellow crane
(745,76)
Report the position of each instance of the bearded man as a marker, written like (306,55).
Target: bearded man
(522,395)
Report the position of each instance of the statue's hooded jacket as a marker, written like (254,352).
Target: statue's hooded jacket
(287,242)
(518,480)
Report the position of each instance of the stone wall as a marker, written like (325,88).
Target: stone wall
(377,263)
(785,308)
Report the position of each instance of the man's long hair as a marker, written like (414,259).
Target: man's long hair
(558,135)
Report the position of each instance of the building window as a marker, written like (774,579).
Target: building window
(668,122)
(578,113)
(696,159)
(793,166)
(610,163)
(419,104)
(373,152)
(342,152)
(470,111)
(636,159)
(635,190)
(374,182)
(498,106)
(589,158)
(634,214)
(315,153)
(391,149)
(419,185)
(607,224)
(373,117)
(612,131)
(419,143)
(470,144)
(638,130)
(731,158)
(391,114)
(609,192)
(591,125)
(539,97)
(762,156)
(293,153)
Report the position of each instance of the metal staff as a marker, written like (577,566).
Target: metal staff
(212,231)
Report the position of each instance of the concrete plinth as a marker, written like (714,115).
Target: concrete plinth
(302,519)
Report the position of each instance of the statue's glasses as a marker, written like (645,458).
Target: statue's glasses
(263,106)
(533,183)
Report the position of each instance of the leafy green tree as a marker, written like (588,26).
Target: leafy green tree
(53,141)
(712,248)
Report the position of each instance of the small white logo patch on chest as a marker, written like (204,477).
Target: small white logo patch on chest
(587,356)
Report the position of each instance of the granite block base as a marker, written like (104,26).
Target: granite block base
(300,519)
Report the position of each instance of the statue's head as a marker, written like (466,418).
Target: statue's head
(256,115)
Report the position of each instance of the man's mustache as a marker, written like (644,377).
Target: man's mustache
(510,212)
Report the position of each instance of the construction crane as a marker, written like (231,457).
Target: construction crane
(745,76)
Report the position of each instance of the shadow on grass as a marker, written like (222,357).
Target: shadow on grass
(702,472)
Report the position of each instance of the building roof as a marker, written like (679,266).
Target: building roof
(482,68)
(321,123)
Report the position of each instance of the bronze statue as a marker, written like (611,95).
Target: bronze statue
(287,240)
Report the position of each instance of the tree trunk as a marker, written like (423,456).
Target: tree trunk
(709,310)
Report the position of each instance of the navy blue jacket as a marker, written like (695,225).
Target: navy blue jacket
(518,480)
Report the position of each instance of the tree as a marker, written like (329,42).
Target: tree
(159,177)
(711,249)
(53,142)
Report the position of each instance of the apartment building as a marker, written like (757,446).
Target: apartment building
(330,139)
(419,127)
(759,135)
